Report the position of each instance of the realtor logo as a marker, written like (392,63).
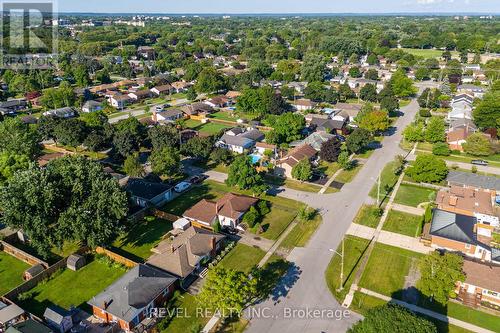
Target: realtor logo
(28,33)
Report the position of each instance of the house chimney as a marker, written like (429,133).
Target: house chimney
(172,248)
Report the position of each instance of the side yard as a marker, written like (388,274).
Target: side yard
(412,195)
(404,223)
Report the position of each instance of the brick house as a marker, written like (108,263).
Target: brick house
(285,165)
(481,285)
(128,300)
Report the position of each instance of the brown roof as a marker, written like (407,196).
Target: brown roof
(180,254)
(45,159)
(305,102)
(348,106)
(265,145)
(141,93)
(230,205)
(233,94)
(203,211)
(467,200)
(481,275)
(219,100)
(180,84)
(458,135)
(297,154)
(163,88)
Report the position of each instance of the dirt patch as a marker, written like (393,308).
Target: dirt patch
(410,292)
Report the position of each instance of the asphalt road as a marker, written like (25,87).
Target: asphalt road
(304,287)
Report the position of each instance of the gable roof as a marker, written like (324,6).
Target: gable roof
(237,140)
(11,311)
(481,275)
(453,226)
(203,211)
(233,205)
(133,291)
(297,154)
(55,314)
(180,255)
(144,189)
(253,134)
(328,124)
(170,113)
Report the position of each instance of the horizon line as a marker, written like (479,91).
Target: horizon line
(288,13)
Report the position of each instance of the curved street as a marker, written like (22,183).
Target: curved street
(304,287)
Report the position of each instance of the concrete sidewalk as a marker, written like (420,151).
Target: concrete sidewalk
(428,313)
(389,238)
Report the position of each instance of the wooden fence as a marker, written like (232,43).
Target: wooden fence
(164,215)
(20,254)
(116,257)
(45,274)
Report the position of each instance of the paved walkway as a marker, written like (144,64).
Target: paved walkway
(428,313)
(408,209)
(389,238)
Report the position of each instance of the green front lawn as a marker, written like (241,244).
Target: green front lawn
(282,213)
(292,184)
(368,215)
(328,168)
(411,195)
(189,320)
(66,288)
(11,272)
(346,176)
(403,223)
(476,317)
(299,236)
(388,180)
(242,258)
(137,242)
(354,249)
(386,269)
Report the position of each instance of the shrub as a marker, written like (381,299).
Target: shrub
(425,113)
(441,149)
(263,207)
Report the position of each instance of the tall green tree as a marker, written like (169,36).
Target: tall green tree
(478,145)
(243,175)
(303,170)
(402,85)
(428,169)
(313,68)
(358,140)
(72,199)
(435,130)
(19,138)
(165,161)
(487,113)
(438,275)
(133,167)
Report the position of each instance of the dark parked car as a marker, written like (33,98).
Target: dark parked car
(196,179)
(479,162)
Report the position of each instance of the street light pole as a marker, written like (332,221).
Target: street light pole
(342,268)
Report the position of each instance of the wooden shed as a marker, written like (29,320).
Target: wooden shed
(33,271)
(75,262)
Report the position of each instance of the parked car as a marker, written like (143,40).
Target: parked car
(479,162)
(196,179)
(159,108)
(181,187)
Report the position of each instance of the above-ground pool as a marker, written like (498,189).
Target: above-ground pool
(255,158)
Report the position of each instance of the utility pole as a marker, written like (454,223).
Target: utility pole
(378,188)
(342,268)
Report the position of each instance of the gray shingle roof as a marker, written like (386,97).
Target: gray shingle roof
(237,141)
(472,179)
(453,226)
(137,288)
(144,189)
(55,314)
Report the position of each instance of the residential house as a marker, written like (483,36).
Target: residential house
(167,116)
(220,101)
(184,252)
(58,319)
(285,165)
(180,86)
(298,86)
(240,140)
(462,97)
(13,105)
(336,125)
(120,101)
(315,140)
(162,90)
(467,179)
(33,97)
(233,95)
(228,210)
(65,112)
(469,201)
(347,110)
(457,232)
(303,104)
(92,106)
(456,137)
(196,109)
(476,91)
(139,95)
(481,285)
(130,299)
(146,194)
(262,147)
(146,52)
(460,110)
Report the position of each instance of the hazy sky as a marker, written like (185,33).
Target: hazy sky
(278,6)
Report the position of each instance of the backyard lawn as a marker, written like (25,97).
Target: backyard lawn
(301,233)
(11,272)
(412,195)
(387,268)
(354,248)
(242,258)
(67,288)
(428,53)
(223,115)
(208,128)
(368,215)
(403,223)
(137,243)
(282,213)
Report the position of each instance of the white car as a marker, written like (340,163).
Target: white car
(181,187)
